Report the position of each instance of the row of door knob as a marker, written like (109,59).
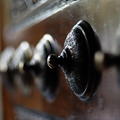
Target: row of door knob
(25,66)
(82,60)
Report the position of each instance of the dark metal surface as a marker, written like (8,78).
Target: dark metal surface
(77,60)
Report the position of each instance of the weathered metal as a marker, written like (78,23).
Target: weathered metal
(77,60)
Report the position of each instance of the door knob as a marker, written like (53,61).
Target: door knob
(45,79)
(82,60)
(22,55)
(17,76)
(5,57)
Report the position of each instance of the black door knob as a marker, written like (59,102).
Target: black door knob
(5,57)
(17,76)
(77,60)
(45,79)
(82,60)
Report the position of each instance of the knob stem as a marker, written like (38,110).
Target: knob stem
(54,61)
